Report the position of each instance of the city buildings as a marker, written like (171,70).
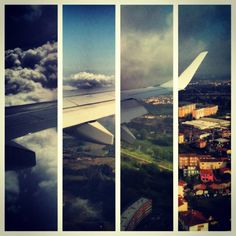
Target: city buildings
(196,110)
(193,220)
(204,166)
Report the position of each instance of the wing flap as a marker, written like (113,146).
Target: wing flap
(18,157)
(131,109)
(126,134)
(92,132)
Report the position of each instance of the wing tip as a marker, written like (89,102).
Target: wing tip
(203,54)
(188,74)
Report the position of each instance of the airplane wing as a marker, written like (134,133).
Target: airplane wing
(81,112)
(80,115)
(25,119)
(20,121)
(131,100)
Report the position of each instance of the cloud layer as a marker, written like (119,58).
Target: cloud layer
(44,143)
(32,193)
(146,46)
(85,80)
(31,75)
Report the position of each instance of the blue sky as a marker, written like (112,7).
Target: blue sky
(206,27)
(89,39)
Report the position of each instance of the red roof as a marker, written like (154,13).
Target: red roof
(199,187)
(192,217)
(182,183)
(181,201)
(224,169)
(218,186)
(206,172)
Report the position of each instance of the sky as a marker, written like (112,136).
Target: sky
(206,27)
(31,76)
(30,53)
(88,43)
(30,26)
(146,45)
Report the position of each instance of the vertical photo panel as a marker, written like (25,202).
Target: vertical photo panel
(204,187)
(88,117)
(30,117)
(146,118)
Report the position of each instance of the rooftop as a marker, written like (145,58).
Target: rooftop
(192,217)
(219,186)
(200,105)
(222,140)
(206,172)
(199,187)
(181,200)
(182,183)
(207,123)
(181,104)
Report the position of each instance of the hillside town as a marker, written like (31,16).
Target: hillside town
(204,187)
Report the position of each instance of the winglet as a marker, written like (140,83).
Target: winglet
(188,74)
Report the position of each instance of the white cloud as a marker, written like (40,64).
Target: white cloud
(84,209)
(44,144)
(192,47)
(146,57)
(31,75)
(12,183)
(85,80)
(38,95)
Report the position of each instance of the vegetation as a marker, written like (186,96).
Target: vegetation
(147,180)
(146,168)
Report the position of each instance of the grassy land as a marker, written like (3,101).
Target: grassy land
(143,177)
(147,168)
(145,158)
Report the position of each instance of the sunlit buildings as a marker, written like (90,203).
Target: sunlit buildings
(182,204)
(181,138)
(181,186)
(186,109)
(188,160)
(207,175)
(211,163)
(196,110)
(204,111)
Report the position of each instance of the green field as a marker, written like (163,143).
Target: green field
(145,158)
(143,177)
